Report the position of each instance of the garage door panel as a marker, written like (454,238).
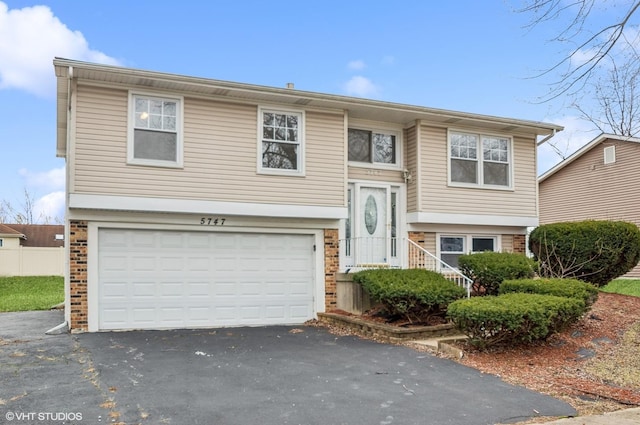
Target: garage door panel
(160,279)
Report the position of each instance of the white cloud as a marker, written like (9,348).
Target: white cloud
(356,65)
(29,40)
(53,179)
(577,133)
(360,86)
(50,206)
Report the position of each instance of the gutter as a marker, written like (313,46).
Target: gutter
(548,137)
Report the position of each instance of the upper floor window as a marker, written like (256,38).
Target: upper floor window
(155,134)
(372,147)
(481,160)
(1,243)
(281,141)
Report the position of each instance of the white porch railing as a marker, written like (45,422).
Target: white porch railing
(366,253)
(421,258)
(370,253)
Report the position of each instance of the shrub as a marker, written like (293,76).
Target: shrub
(414,294)
(593,251)
(513,318)
(489,269)
(570,288)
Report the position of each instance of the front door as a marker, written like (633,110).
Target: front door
(373,225)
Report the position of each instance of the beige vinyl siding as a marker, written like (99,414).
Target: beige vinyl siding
(430,243)
(220,155)
(411,155)
(439,197)
(507,243)
(375,174)
(589,189)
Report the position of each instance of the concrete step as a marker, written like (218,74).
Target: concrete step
(444,344)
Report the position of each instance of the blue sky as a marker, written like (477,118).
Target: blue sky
(468,55)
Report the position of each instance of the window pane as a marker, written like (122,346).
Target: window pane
(452,244)
(359,145)
(283,156)
(169,123)
(384,146)
(268,118)
(155,121)
(142,120)
(155,145)
(170,109)
(463,145)
(292,121)
(142,105)
(451,259)
(464,171)
(496,173)
(483,244)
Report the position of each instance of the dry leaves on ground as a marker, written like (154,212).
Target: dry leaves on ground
(594,365)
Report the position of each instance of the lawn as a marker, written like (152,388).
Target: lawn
(623,286)
(24,293)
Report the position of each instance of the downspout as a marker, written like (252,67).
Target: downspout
(64,326)
(548,137)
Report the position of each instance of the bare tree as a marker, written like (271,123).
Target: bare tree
(25,213)
(616,95)
(591,45)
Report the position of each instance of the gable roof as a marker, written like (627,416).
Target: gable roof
(583,150)
(38,235)
(68,70)
(8,232)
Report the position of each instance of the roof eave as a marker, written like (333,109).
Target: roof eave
(357,107)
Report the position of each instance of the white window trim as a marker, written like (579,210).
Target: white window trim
(356,125)
(300,172)
(480,160)
(179,163)
(468,242)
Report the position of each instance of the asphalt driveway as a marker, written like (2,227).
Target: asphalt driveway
(272,375)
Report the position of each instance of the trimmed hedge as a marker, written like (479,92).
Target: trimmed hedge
(513,318)
(489,269)
(570,288)
(594,251)
(414,294)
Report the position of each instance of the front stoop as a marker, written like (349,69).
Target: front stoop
(444,345)
(386,332)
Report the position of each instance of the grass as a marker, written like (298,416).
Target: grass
(623,286)
(25,293)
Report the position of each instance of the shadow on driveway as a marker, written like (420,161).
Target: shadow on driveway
(272,375)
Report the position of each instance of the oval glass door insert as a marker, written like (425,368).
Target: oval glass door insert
(371,214)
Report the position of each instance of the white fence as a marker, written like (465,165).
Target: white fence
(31,261)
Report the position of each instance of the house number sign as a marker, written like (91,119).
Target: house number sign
(212,221)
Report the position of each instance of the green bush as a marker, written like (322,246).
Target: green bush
(593,251)
(414,294)
(487,270)
(570,288)
(513,318)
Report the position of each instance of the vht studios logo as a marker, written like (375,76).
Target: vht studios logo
(43,416)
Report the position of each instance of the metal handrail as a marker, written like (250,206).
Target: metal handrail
(419,260)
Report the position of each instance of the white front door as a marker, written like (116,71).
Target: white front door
(373,227)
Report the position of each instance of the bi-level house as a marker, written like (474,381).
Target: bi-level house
(194,202)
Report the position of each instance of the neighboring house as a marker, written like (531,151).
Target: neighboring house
(31,250)
(600,181)
(195,202)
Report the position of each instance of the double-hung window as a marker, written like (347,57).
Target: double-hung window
(480,160)
(155,130)
(453,246)
(281,141)
(372,147)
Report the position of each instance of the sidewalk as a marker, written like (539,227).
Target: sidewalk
(620,417)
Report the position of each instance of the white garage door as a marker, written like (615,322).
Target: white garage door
(164,279)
